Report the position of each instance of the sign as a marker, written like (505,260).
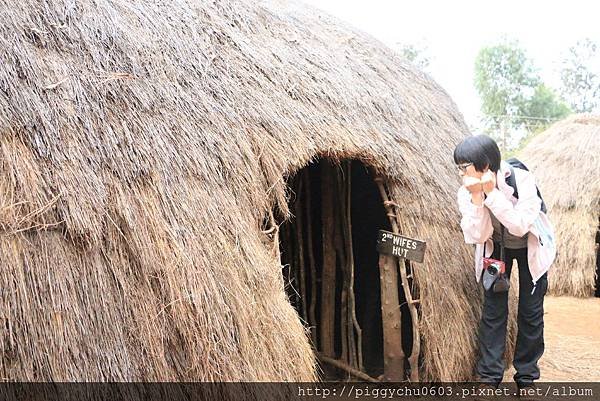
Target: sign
(402,247)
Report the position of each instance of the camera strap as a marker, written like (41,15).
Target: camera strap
(501,244)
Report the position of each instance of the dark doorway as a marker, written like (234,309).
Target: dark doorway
(328,250)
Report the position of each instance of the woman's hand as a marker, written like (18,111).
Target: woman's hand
(488,181)
(472,184)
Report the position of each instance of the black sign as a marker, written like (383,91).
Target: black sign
(402,247)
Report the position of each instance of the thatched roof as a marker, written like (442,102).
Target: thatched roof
(142,144)
(566,162)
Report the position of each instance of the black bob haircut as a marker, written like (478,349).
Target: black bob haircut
(481,150)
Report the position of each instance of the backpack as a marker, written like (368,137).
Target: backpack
(513,163)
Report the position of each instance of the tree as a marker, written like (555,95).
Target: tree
(545,104)
(579,76)
(416,54)
(515,101)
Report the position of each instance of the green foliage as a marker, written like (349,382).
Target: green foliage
(579,76)
(543,107)
(505,79)
(415,54)
(515,101)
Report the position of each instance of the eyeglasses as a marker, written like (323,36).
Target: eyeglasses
(463,167)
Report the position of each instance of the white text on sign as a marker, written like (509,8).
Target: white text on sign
(405,243)
(400,252)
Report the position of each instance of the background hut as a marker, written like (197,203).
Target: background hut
(566,161)
(146,153)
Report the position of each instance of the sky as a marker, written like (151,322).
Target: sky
(454,31)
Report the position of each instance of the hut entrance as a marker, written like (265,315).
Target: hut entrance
(330,267)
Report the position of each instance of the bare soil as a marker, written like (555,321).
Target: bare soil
(572,340)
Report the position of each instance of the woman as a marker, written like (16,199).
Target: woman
(488,208)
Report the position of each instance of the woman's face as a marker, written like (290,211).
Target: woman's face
(471,172)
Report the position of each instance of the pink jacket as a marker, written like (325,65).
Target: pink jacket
(519,216)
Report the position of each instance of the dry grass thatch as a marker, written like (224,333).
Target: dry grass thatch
(142,144)
(566,162)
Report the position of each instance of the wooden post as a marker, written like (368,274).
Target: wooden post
(394,219)
(393,355)
(355,342)
(327,322)
(300,239)
(312,319)
(413,359)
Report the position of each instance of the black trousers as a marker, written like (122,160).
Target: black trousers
(530,321)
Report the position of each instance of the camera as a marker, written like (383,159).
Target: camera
(494,275)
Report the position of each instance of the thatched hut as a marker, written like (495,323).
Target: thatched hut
(566,161)
(148,152)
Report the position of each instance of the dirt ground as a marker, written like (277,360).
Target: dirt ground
(572,339)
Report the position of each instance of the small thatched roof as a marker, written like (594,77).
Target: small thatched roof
(566,162)
(141,146)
